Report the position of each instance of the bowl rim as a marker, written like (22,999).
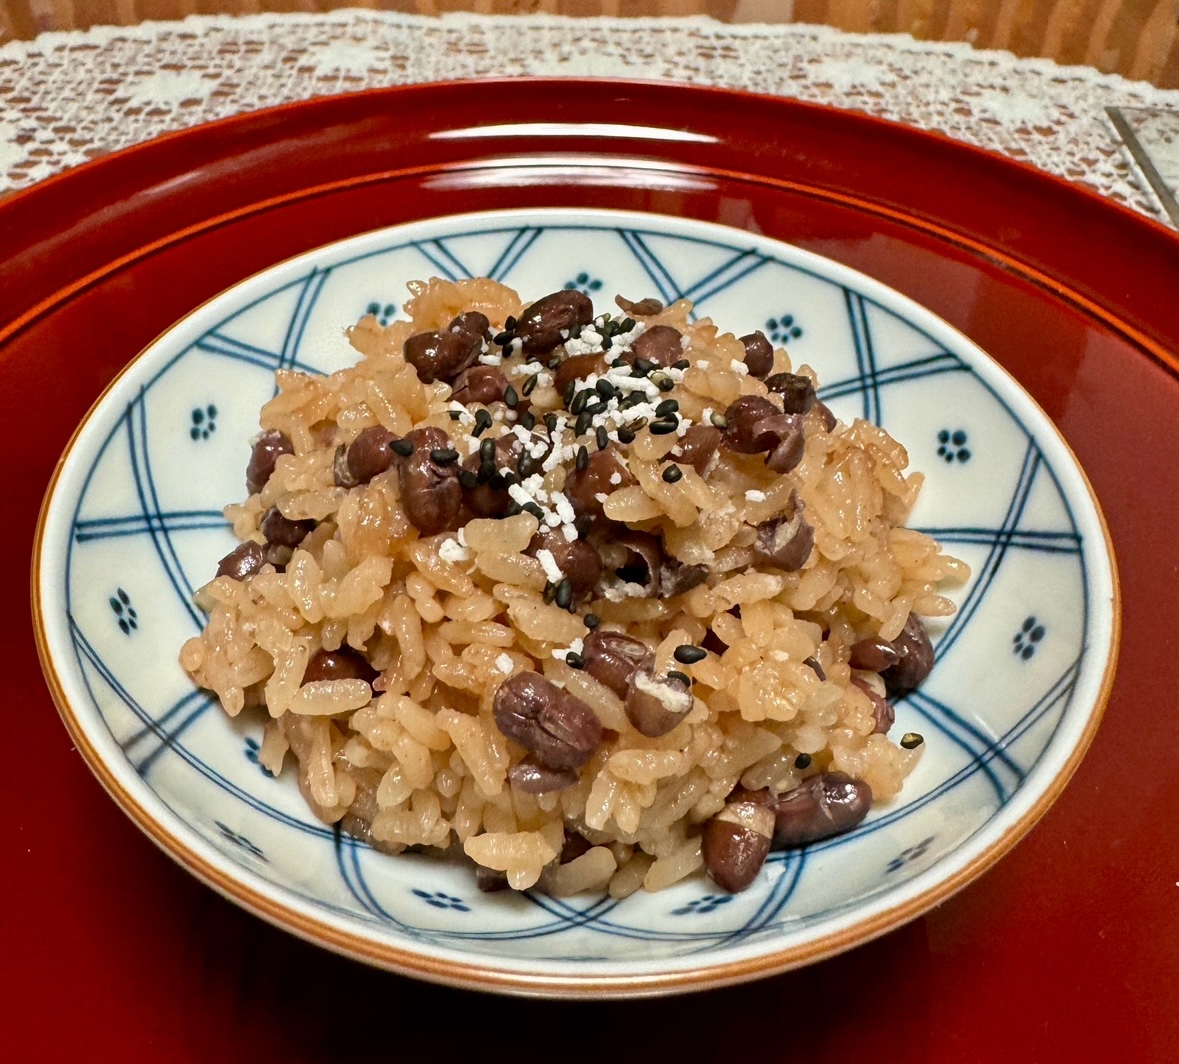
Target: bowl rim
(454,967)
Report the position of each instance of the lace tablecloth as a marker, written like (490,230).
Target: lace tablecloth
(69,97)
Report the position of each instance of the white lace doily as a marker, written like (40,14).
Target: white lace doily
(68,97)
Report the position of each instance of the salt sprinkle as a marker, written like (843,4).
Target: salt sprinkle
(753,495)
(576,647)
(615,477)
(450,550)
(737,366)
(465,416)
(504,664)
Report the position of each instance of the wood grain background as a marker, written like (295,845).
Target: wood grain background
(1137,38)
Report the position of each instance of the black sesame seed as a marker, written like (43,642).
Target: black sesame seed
(579,401)
(642,367)
(584,420)
(574,660)
(638,423)
(455,414)
(673,472)
(402,447)
(620,361)
(634,399)
(534,509)
(468,480)
(530,384)
(512,510)
(482,423)
(664,383)
(526,466)
(802,761)
(570,388)
(510,323)
(683,677)
(625,435)
(564,594)
(663,426)
(911,740)
(487,451)
(815,667)
(595,407)
(550,591)
(626,325)
(502,339)
(550,422)
(605,389)
(592,620)
(443,455)
(607,343)
(668,406)
(509,478)
(687,654)
(603,437)
(511,397)
(486,472)
(582,458)
(682,363)
(528,420)
(575,333)
(554,362)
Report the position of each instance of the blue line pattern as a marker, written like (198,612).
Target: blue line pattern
(132,522)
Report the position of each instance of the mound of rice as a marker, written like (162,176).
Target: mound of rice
(412,756)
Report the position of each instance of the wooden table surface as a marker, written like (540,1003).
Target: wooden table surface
(1137,38)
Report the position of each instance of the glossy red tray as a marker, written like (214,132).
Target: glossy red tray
(1065,951)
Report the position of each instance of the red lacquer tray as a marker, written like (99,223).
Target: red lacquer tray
(1065,950)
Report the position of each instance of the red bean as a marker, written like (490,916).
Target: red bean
(443,354)
(735,843)
(785,540)
(540,326)
(741,417)
(578,560)
(797,391)
(916,658)
(560,730)
(532,777)
(430,491)
(243,561)
(480,385)
(823,805)
(611,658)
(583,486)
(697,446)
(344,663)
(655,705)
(369,454)
(267,450)
(644,308)
(282,531)
(660,344)
(759,353)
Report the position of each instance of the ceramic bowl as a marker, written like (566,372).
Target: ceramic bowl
(132,525)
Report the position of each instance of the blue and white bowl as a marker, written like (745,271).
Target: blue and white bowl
(132,525)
